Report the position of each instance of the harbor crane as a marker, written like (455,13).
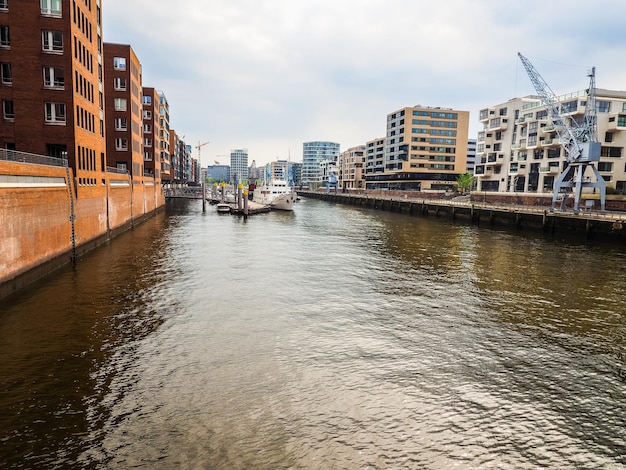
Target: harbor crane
(577,136)
(199,146)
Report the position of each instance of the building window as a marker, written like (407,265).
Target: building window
(5,38)
(120,104)
(147,100)
(147,114)
(4,5)
(119,83)
(605,166)
(147,128)
(603,106)
(612,152)
(55,113)
(51,7)
(52,41)
(6,75)
(608,137)
(121,124)
(7,110)
(147,156)
(121,144)
(53,77)
(147,142)
(119,63)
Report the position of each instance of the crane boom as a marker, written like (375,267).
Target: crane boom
(199,146)
(578,138)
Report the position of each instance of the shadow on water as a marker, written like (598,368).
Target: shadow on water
(58,337)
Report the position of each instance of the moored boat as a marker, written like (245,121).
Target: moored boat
(223,208)
(276,194)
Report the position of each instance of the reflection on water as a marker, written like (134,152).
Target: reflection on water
(330,337)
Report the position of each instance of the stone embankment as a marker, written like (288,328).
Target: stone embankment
(590,223)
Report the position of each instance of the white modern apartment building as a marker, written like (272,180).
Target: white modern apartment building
(314,156)
(238,165)
(518,149)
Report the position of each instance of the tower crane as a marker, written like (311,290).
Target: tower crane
(578,138)
(199,146)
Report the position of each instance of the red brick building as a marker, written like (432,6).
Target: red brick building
(122,91)
(50,81)
(151,131)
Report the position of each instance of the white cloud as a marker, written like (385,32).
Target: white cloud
(269,75)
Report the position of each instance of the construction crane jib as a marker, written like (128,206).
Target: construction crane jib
(577,137)
(199,146)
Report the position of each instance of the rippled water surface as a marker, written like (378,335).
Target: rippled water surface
(326,338)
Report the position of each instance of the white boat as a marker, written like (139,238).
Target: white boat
(223,208)
(276,194)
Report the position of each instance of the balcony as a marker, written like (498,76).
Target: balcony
(498,124)
(485,114)
(548,128)
(617,122)
(521,121)
(549,170)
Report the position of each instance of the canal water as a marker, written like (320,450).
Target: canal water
(327,338)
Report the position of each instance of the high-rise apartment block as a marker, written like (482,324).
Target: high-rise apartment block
(518,149)
(316,156)
(424,148)
(238,165)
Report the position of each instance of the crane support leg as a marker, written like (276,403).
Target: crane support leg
(558,184)
(601,185)
(578,187)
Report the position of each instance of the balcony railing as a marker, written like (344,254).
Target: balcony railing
(23,157)
(120,171)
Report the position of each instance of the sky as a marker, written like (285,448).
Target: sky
(269,75)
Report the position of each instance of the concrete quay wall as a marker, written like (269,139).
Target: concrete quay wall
(589,224)
(46,221)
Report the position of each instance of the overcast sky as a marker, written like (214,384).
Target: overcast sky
(268,75)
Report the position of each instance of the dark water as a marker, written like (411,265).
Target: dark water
(327,338)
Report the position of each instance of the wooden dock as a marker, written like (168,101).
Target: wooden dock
(253,207)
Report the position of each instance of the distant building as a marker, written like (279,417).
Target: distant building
(425,149)
(375,156)
(351,164)
(238,165)
(315,158)
(254,173)
(218,173)
(164,136)
(151,131)
(471,156)
(296,174)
